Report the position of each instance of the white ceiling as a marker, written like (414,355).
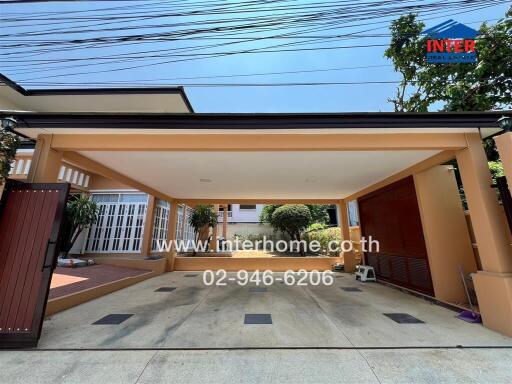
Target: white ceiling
(253,175)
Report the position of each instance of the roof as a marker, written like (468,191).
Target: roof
(123,99)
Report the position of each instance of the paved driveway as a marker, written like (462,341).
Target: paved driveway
(197,333)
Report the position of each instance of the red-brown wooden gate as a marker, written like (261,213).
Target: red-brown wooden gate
(30,220)
(391,215)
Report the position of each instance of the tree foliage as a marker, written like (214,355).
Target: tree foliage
(81,213)
(324,236)
(8,145)
(318,213)
(292,219)
(203,218)
(480,86)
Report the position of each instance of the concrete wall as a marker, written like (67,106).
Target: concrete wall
(245,229)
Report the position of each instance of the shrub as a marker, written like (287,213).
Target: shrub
(8,144)
(324,236)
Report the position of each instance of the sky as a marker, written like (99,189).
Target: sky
(31,67)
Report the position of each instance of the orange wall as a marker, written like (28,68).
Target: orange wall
(100,182)
(250,264)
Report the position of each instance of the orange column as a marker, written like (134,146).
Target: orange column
(494,284)
(147,236)
(46,162)
(171,235)
(504,144)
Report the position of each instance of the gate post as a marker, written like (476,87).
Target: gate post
(504,145)
(494,284)
(46,162)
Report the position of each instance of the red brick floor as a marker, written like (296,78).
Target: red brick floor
(71,280)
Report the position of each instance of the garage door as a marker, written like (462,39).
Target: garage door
(391,215)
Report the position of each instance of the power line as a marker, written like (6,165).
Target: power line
(288,84)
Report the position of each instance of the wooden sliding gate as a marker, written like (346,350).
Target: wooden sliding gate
(30,220)
(391,215)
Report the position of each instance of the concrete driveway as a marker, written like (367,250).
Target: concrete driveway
(197,333)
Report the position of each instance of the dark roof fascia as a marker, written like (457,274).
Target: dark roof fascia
(259,121)
(98,91)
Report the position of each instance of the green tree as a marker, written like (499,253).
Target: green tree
(9,143)
(480,86)
(81,213)
(292,219)
(318,213)
(203,218)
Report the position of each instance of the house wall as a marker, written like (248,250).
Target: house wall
(245,229)
(245,215)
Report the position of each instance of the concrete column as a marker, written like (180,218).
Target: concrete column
(171,235)
(215,233)
(46,162)
(225,222)
(147,236)
(494,284)
(349,258)
(504,145)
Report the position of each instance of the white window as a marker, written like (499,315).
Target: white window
(161,224)
(19,167)
(247,207)
(61,172)
(27,167)
(120,223)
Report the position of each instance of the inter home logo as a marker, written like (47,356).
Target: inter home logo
(451,42)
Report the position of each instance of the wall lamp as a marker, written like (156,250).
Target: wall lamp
(505,123)
(8,123)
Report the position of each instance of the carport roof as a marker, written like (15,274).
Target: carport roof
(256,157)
